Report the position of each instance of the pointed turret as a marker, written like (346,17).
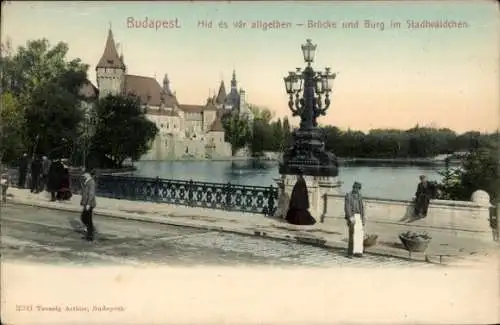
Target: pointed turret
(221,95)
(234,83)
(110,58)
(166,85)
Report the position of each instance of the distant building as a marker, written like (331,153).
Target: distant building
(234,102)
(193,131)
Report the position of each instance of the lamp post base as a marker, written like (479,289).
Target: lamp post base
(308,155)
(318,189)
(319,168)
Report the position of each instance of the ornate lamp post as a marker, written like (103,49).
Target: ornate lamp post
(309,93)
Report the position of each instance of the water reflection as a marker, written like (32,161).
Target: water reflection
(380,181)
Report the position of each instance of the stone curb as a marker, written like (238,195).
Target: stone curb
(265,233)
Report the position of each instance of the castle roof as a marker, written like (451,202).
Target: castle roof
(162,112)
(192,108)
(210,106)
(221,96)
(88,90)
(149,91)
(110,57)
(217,126)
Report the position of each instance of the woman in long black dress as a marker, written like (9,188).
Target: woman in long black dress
(298,209)
(64,191)
(54,178)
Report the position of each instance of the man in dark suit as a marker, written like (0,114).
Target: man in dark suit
(88,203)
(23,171)
(36,171)
(425,192)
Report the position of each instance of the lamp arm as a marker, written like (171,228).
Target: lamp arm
(301,106)
(299,103)
(318,102)
(291,106)
(327,104)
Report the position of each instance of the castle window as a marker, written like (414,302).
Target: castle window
(168,125)
(161,125)
(187,149)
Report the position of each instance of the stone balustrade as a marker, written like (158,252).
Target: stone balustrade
(462,218)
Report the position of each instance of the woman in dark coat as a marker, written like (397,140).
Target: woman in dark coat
(64,191)
(298,209)
(54,178)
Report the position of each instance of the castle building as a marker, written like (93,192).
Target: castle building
(234,102)
(185,131)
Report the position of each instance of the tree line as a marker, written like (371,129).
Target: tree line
(268,134)
(44,111)
(479,169)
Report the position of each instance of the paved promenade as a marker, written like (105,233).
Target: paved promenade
(445,249)
(52,237)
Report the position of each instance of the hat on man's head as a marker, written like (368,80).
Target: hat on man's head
(356,185)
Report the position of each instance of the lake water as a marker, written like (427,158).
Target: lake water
(382,182)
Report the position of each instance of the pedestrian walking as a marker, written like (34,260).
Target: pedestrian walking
(4,185)
(88,203)
(54,178)
(355,217)
(45,173)
(36,171)
(23,171)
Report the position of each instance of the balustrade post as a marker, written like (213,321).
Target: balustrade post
(270,202)
(190,192)
(156,196)
(227,192)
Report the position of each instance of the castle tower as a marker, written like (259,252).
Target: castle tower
(234,83)
(242,97)
(110,71)
(166,85)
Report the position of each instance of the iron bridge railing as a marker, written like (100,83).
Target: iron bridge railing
(230,197)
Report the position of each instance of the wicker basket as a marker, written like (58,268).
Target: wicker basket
(415,245)
(370,240)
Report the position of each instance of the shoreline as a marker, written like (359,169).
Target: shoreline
(342,160)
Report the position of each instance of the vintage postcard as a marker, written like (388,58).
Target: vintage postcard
(250,162)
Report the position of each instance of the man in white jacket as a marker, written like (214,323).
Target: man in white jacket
(355,217)
(88,203)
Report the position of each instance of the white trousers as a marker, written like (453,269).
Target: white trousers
(358,236)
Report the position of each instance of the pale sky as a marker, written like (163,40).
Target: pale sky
(391,78)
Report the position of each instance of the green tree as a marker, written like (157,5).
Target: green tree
(260,139)
(12,128)
(237,131)
(479,171)
(261,113)
(46,85)
(34,65)
(122,131)
(287,132)
(53,113)
(277,136)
